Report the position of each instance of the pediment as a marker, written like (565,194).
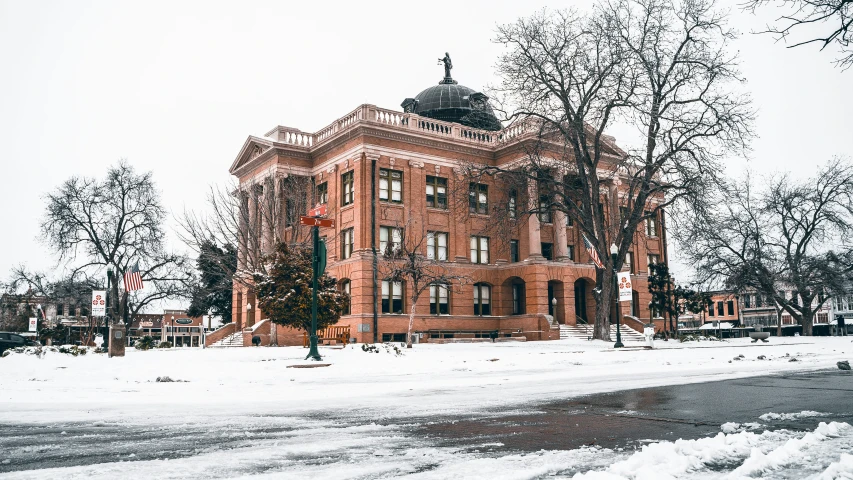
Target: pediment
(252,148)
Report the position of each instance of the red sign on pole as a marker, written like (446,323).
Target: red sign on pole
(318,211)
(317,222)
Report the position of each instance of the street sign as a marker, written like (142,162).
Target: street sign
(317,222)
(624,280)
(33,324)
(318,211)
(99,304)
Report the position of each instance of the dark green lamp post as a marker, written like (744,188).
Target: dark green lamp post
(614,255)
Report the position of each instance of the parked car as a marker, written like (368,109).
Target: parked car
(12,340)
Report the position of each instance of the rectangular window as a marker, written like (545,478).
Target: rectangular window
(571,252)
(513,250)
(389,234)
(479,249)
(478,198)
(436,192)
(390,185)
(548,250)
(651,225)
(720,311)
(438,299)
(544,211)
(437,246)
(323,193)
(629,262)
(711,310)
(347,237)
(482,299)
(392,297)
(512,203)
(747,301)
(348,187)
(569,221)
(60,309)
(731,307)
(654,259)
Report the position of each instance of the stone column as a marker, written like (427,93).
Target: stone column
(561,242)
(243,228)
(254,232)
(534,237)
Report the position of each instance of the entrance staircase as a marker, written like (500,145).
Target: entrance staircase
(584,332)
(234,340)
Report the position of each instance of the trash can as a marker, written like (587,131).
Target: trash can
(649,334)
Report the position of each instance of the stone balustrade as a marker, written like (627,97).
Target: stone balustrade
(404,121)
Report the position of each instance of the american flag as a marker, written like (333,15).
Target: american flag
(133,279)
(592,253)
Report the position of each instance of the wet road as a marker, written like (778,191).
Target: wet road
(626,418)
(620,420)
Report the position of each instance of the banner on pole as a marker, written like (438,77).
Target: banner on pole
(624,280)
(99,303)
(33,324)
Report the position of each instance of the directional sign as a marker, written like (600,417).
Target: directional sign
(624,280)
(318,211)
(99,304)
(317,222)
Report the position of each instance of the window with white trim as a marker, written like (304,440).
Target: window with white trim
(437,246)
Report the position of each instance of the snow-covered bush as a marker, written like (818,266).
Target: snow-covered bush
(166,344)
(73,350)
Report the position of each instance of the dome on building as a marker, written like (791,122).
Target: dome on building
(450,102)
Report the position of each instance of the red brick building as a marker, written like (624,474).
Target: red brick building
(385,168)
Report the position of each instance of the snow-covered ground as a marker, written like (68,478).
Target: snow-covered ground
(230,393)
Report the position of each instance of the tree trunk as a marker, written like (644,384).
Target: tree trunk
(807,322)
(604,306)
(411,323)
(778,322)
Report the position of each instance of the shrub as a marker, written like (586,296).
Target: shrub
(145,343)
(165,344)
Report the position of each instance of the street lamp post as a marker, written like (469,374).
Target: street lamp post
(174,340)
(614,255)
(554,307)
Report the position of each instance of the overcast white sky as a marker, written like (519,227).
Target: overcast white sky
(175,87)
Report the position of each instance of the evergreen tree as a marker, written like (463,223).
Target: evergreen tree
(213,294)
(284,293)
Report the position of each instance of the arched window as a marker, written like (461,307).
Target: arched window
(482,299)
(345,288)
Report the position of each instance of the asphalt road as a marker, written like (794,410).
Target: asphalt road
(622,419)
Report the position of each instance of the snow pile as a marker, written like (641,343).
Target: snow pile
(790,452)
(767,417)
(732,427)
(741,455)
(843,468)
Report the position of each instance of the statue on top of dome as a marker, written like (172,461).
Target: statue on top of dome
(448,65)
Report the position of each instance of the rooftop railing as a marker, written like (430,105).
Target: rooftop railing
(370,114)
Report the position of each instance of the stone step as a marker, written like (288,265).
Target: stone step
(572,331)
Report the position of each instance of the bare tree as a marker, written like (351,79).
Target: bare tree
(662,67)
(408,261)
(116,223)
(792,235)
(835,17)
(255,216)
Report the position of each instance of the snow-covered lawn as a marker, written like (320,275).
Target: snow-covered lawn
(427,379)
(242,413)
